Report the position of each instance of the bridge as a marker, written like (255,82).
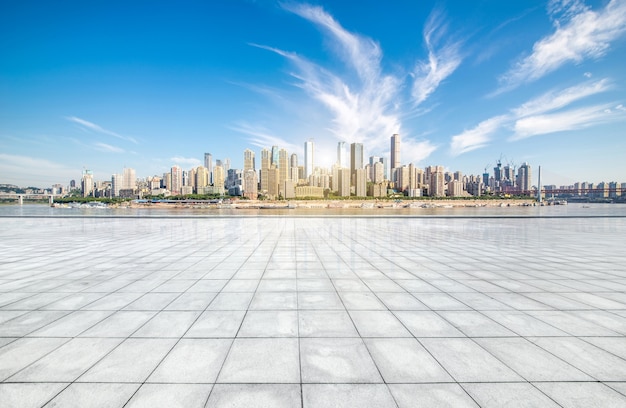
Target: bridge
(20,197)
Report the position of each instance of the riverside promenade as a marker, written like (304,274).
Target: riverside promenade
(280,311)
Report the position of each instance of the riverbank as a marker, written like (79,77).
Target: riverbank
(334,204)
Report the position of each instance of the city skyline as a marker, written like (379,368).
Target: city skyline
(462,85)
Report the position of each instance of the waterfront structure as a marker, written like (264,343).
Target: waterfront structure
(308,158)
(309,191)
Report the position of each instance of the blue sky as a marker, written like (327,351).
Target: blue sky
(106,84)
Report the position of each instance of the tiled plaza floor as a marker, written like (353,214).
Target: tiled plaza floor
(313,312)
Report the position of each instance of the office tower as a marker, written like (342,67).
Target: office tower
(272,182)
(524,178)
(342,154)
(218,176)
(166,181)
(208,163)
(293,168)
(275,151)
(458,176)
(308,158)
(497,171)
(191,180)
(395,151)
(177,180)
(455,188)
(202,178)
(343,182)
(265,167)
(283,166)
(116,184)
(250,184)
(248,160)
(383,160)
(378,172)
(226,165)
(356,156)
(185,178)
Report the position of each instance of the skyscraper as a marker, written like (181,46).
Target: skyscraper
(395,151)
(248,160)
(293,168)
(308,158)
(283,167)
(208,163)
(265,167)
(524,178)
(356,157)
(275,151)
(342,154)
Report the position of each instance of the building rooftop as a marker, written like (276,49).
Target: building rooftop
(314,312)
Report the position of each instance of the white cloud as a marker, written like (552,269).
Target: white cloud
(99,129)
(533,118)
(365,107)
(187,161)
(264,138)
(554,100)
(573,119)
(441,63)
(580,33)
(34,171)
(477,137)
(103,147)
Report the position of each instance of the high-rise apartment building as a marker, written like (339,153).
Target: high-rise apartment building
(524,178)
(437,181)
(343,185)
(266,161)
(308,158)
(293,168)
(218,176)
(177,180)
(248,160)
(360,183)
(275,151)
(202,177)
(86,183)
(250,184)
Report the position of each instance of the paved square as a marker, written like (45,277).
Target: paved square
(312,312)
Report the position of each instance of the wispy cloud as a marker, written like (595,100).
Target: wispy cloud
(262,137)
(542,115)
(573,119)
(85,124)
(443,59)
(366,105)
(107,148)
(580,33)
(477,137)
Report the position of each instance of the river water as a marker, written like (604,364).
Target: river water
(570,210)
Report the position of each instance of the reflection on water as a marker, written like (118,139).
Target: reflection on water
(594,210)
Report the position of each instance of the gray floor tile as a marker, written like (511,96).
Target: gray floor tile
(522,395)
(28,395)
(466,361)
(405,361)
(319,301)
(168,324)
(217,323)
(347,395)
(475,324)
(192,361)
(378,323)
(326,323)
(427,324)
(431,395)
(342,360)
(94,395)
(270,323)
(231,301)
(262,361)
(67,362)
(361,301)
(119,324)
(170,396)
(23,352)
(583,395)
(255,396)
(72,325)
(131,361)
(274,301)
(192,301)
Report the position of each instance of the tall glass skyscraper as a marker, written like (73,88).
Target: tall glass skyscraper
(308,158)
